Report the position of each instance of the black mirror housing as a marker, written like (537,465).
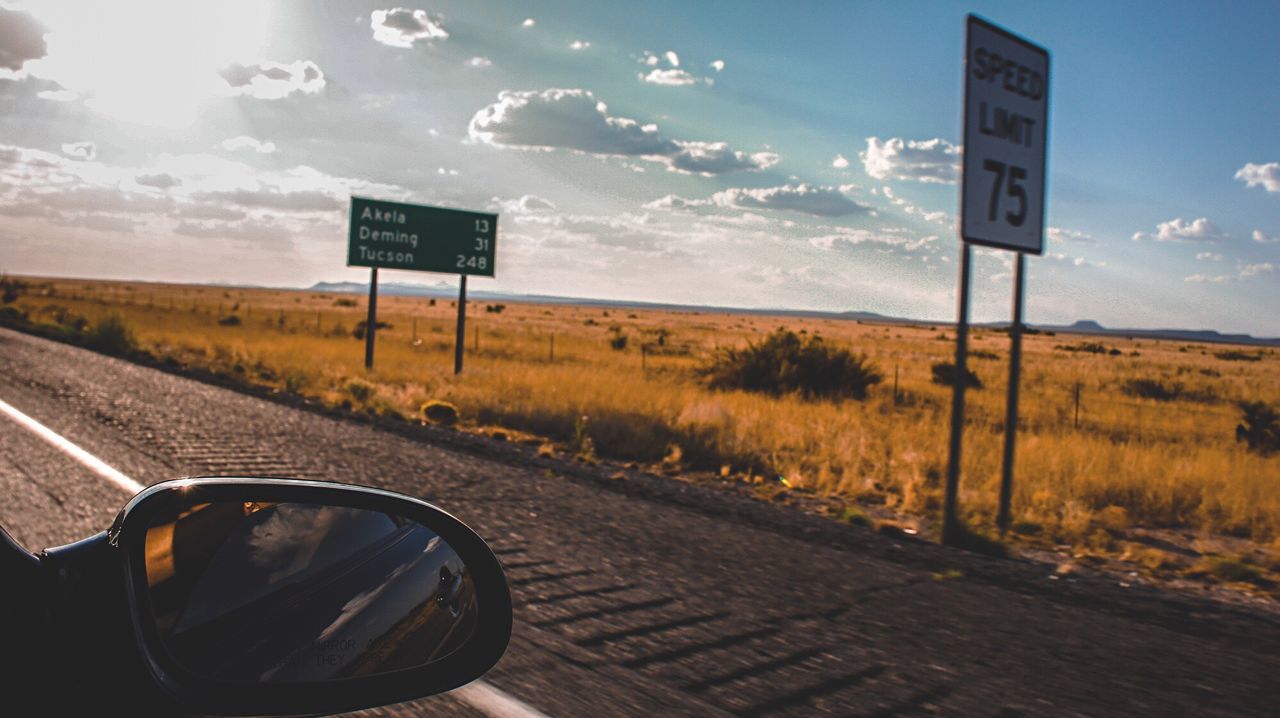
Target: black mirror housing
(475,652)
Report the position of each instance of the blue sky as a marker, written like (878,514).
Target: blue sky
(797,155)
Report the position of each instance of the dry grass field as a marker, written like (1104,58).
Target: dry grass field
(1152,442)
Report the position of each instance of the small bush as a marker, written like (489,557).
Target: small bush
(787,363)
(362,325)
(295,380)
(1228,569)
(1260,428)
(111,335)
(983,354)
(440,412)
(360,390)
(1153,389)
(230,320)
(618,341)
(494,308)
(12,316)
(1236,355)
(344,302)
(944,373)
(1086,347)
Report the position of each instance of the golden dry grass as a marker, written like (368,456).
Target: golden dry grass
(1162,463)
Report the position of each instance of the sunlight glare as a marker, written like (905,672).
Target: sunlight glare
(152,62)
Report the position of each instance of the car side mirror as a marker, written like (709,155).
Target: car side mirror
(287,597)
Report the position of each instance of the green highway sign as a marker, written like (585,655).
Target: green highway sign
(394,235)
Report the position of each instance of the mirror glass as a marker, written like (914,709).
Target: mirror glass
(260,592)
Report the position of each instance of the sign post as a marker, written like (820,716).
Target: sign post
(1002,203)
(395,235)
(371,323)
(460,340)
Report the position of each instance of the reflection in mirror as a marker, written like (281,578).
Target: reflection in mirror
(299,593)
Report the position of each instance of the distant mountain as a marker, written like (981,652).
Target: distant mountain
(1181,335)
(1088,327)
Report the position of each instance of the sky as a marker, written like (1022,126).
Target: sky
(762,155)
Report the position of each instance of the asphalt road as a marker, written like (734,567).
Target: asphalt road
(646,597)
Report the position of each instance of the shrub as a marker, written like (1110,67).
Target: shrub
(441,412)
(787,363)
(1153,389)
(945,373)
(360,390)
(295,380)
(618,341)
(230,320)
(362,325)
(12,316)
(1227,569)
(494,308)
(1236,355)
(111,335)
(344,302)
(1087,347)
(1260,429)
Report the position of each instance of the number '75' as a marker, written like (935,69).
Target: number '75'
(1016,191)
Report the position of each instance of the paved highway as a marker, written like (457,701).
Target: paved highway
(649,597)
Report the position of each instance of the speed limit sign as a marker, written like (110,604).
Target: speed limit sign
(1006,114)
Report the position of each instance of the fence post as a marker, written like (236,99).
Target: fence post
(1077,415)
(552,358)
(895,384)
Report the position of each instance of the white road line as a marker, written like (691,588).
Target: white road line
(478,694)
(93,463)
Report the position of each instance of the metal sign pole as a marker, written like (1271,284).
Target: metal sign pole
(1011,414)
(950,523)
(371,325)
(462,326)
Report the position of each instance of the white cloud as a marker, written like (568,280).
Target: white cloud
(1243,271)
(528,22)
(717,65)
(846,238)
(1059,234)
(1208,257)
(21,39)
(203,194)
(1180,230)
(1259,236)
(840,162)
(818,201)
(159,180)
(1253,270)
(402,27)
(525,204)
(579,45)
(933,160)
(574,119)
(479,62)
(58,95)
(80,150)
(673,76)
(1266,176)
(1209,278)
(446,172)
(937,217)
(273,80)
(805,198)
(244,142)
